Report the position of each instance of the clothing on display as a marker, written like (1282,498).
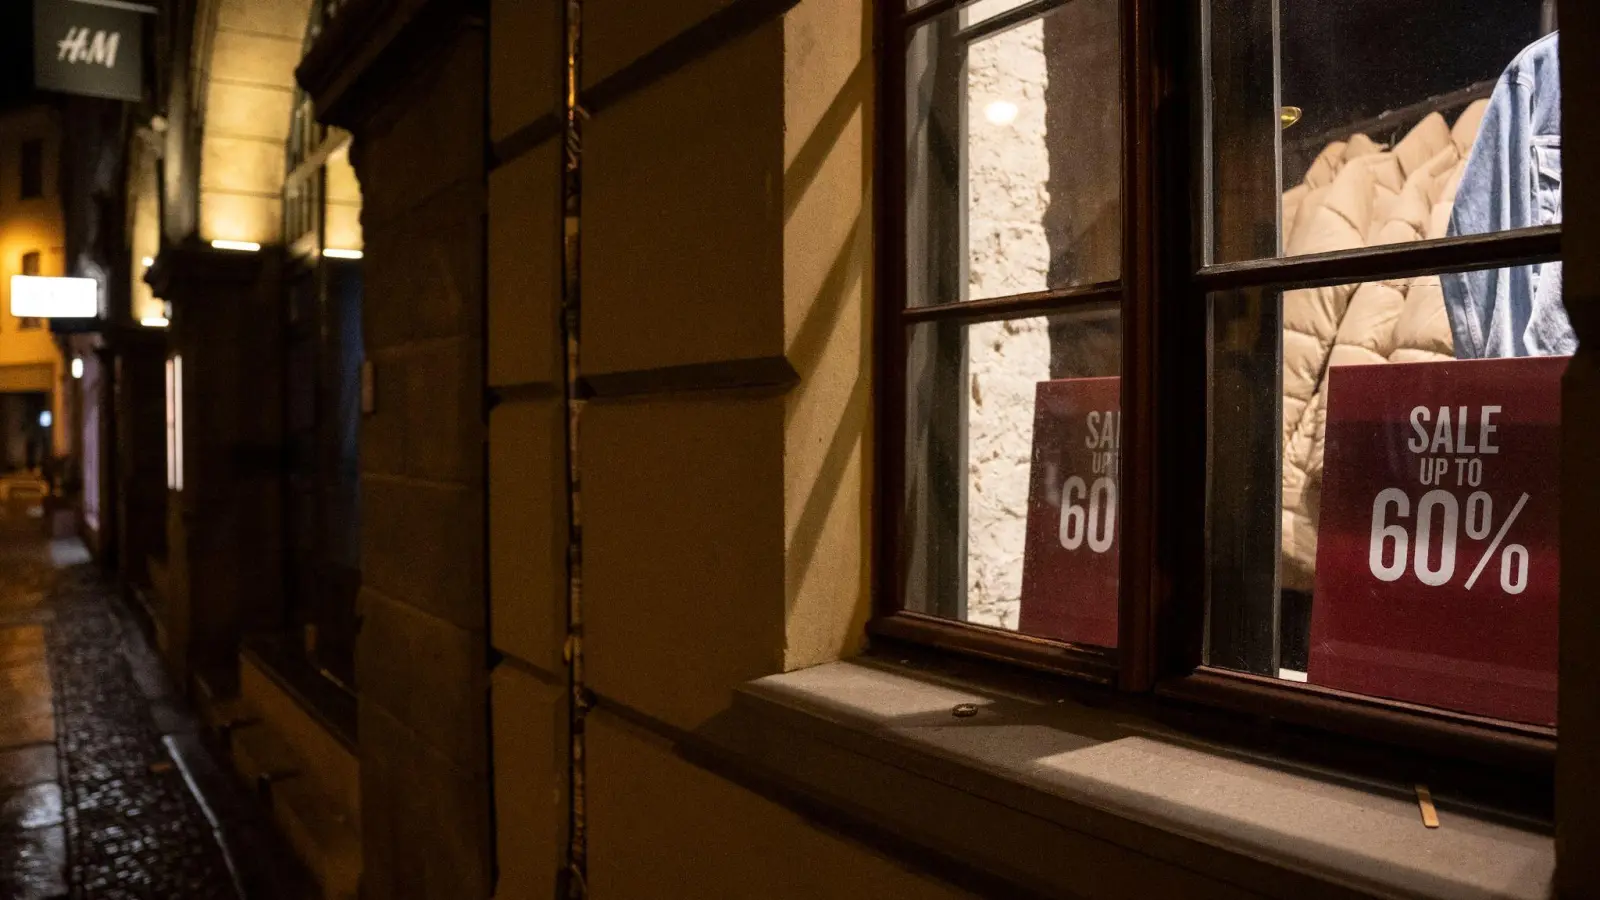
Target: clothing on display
(1513,180)
(1359,193)
(1497,168)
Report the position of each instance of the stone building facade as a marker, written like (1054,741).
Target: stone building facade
(601,625)
(33,375)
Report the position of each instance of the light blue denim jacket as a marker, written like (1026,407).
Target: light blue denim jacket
(1513,180)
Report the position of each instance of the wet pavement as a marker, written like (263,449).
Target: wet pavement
(107,791)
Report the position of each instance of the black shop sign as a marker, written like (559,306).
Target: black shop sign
(89,47)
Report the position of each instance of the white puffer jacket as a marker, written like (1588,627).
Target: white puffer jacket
(1359,194)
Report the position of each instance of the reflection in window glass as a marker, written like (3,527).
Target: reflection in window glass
(1013,451)
(1383,498)
(1014,160)
(1373,118)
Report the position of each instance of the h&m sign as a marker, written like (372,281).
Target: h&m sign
(90,47)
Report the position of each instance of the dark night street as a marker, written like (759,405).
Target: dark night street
(101,766)
(799,449)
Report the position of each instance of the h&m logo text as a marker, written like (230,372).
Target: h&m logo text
(83,45)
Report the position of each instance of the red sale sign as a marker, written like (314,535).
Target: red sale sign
(1069,563)
(1437,567)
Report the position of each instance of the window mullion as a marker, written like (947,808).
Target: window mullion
(1137,601)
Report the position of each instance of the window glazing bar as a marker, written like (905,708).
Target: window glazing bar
(1016,305)
(1009,19)
(1467,253)
(930,10)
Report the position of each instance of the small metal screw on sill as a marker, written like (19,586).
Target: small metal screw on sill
(965,710)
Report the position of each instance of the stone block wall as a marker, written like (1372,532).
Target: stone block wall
(726,284)
(422,652)
(723,446)
(527,450)
(249,92)
(663,827)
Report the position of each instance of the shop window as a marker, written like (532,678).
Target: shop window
(1384,511)
(322,384)
(30,266)
(1224,395)
(1013,214)
(32,169)
(1377,108)
(1013,162)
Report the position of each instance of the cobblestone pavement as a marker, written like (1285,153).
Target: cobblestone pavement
(101,767)
(134,829)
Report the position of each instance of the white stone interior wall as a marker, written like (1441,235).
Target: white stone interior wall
(1008,168)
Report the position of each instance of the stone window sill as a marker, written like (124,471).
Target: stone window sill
(1029,797)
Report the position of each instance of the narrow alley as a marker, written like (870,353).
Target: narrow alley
(799,450)
(106,789)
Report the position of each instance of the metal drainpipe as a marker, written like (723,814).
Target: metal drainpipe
(571,196)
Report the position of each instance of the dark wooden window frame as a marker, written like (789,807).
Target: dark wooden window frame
(1163,295)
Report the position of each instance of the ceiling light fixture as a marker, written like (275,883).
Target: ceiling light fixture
(246,246)
(337,253)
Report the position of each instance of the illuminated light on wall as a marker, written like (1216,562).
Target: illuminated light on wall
(175,423)
(154,322)
(246,246)
(45,297)
(147,262)
(77,367)
(337,253)
(46,419)
(1001,112)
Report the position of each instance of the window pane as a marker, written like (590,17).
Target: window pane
(1344,125)
(1014,152)
(1383,487)
(1011,473)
